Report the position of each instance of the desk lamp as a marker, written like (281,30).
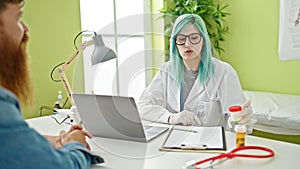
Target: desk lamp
(100,54)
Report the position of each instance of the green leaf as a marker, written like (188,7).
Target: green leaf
(211,12)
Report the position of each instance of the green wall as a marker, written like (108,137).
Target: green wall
(251,47)
(53,26)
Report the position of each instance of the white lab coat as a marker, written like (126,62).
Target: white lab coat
(209,101)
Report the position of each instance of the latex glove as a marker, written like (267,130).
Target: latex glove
(185,118)
(246,113)
(246,118)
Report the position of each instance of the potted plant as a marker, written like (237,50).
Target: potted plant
(212,13)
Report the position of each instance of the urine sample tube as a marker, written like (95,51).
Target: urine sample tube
(240,132)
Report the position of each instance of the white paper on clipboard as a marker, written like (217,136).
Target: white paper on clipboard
(195,138)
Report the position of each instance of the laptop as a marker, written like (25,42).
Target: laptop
(114,117)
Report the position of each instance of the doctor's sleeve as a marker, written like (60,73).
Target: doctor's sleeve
(231,92)
(152,103)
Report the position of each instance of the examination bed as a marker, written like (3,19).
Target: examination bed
(278,115)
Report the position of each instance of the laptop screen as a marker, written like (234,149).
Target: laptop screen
(110,116)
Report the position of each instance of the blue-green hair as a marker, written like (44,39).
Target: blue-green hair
(206,67)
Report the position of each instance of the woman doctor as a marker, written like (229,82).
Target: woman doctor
(193,88)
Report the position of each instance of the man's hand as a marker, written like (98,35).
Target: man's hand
(75,133)
(79,127)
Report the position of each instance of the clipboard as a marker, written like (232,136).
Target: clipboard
(195,139)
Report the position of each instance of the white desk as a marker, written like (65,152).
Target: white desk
(135,155)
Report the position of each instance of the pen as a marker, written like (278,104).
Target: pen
(192,131)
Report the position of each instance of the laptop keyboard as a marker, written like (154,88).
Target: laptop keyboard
(151,131)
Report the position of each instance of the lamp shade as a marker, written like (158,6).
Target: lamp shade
(101,53)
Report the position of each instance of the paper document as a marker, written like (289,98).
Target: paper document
(191,138)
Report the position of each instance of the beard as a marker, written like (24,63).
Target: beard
(14,68)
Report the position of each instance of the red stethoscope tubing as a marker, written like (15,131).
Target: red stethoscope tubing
(233,154)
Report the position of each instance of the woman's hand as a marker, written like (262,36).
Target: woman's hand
(246,113)
(184,118)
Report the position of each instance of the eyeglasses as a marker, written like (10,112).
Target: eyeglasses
(194,38)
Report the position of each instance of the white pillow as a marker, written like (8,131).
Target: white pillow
(275,109)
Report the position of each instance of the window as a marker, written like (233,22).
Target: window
(125,28)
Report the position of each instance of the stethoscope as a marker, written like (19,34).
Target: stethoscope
(216,160)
